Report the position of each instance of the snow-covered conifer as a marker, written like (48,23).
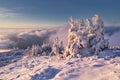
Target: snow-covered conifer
(88,36)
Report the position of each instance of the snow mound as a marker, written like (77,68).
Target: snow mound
(47,73)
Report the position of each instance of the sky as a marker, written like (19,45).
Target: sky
(40,13)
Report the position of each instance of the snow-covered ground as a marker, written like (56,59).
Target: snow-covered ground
(44,68)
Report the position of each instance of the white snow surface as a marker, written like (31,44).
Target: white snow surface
(44,68)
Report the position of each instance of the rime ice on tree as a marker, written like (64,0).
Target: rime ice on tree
(86,37)
(75,38)
(57,47)
(101,43)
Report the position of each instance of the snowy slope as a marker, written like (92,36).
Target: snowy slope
(44,68)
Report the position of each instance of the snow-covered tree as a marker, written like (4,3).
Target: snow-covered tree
(46,49)
(75,37)
(101,42)
(88,36)
(61,47)
(55,47)
(35,50)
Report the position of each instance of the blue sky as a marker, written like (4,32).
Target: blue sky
(33,13)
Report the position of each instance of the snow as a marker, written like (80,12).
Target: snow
(44,68)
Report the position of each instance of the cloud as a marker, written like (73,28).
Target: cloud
(26,38)
(9,13)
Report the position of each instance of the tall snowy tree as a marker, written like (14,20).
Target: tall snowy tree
(86,37)
(100,42)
